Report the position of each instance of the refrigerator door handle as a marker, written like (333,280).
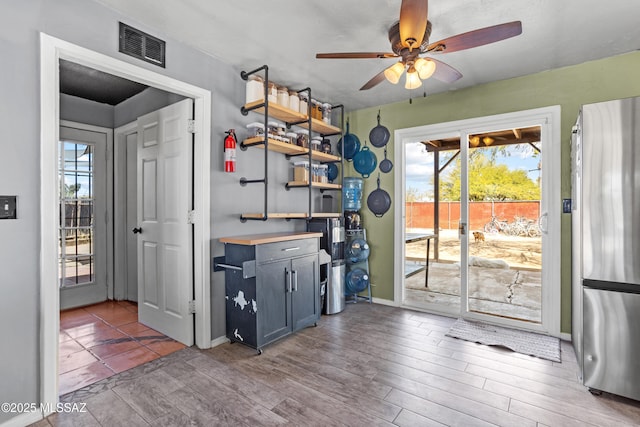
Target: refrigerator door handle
(544,229)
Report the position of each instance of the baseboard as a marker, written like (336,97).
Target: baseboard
(220,340)
(22,420)
(384,302)
(565,336)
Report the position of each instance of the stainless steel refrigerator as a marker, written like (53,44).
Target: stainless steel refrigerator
(606,246)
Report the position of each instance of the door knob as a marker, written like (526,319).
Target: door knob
(137,230)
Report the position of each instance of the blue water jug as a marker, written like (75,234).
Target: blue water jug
(352,193)
(357,251)
(357,281)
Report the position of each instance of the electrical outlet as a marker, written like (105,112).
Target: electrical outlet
(8,207)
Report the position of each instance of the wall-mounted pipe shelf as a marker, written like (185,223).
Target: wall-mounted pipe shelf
(290,149)
(291,118)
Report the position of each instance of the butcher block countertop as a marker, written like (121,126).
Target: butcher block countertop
(259,239)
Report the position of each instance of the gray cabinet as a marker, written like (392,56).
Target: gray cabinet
(271,289)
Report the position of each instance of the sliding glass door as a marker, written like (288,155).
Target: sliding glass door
(474,225)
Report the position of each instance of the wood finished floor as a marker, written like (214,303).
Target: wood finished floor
(371,365)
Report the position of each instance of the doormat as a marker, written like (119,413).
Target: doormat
(530,343)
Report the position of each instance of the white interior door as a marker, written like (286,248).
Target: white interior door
(131,217)
(165,249)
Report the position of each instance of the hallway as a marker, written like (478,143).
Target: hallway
(101,340)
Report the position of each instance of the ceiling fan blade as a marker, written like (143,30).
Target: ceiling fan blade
(356,55)
(413,22)
(377,79)
(477,38)
(445,72)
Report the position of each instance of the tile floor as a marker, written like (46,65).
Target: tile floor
(104,339)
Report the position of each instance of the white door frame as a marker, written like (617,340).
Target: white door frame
(549,120)
(51,51)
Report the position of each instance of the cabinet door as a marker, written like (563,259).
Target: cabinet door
(305,298)
(274,301)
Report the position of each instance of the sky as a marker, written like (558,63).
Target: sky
(419,164)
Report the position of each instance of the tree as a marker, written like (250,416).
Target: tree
(488,181)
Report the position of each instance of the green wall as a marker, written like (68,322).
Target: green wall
(569,87)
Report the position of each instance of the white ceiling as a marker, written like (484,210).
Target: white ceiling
(286,35)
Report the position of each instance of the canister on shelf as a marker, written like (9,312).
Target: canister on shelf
(326,113)
(316,109)
(326,146)
(292,137)
(294,101)
(315,176)
(304,100)
(273,93)
(301,171)
(272,129)
(255,88)
(256,129)
(324,173)
(316,143)
(303,138)
(283,96)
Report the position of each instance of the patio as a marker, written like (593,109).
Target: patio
(513,292)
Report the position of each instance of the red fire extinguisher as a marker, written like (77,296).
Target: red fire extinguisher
(230,151)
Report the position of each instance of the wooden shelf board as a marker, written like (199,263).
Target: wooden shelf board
(291,215)
(328,186)
(290,116)
(258,239)
(290,149)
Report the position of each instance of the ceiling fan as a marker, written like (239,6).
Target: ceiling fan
(409,39)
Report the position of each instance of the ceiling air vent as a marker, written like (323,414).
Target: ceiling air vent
(141,45)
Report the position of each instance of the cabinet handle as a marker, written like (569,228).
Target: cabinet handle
(287,274)
(291,249)
(295,280)
(229,266)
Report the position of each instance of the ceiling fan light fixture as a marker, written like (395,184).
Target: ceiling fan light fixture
(488,140)
(413,80)
(424,67)
(393,73)
(474,141)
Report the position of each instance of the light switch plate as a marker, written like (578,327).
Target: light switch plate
(8,207)
(566,205)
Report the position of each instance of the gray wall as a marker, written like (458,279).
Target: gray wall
(85,111)
(95,27)
(148,100)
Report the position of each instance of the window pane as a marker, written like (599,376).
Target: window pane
(76,214)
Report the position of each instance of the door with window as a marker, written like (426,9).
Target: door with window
(82,245)
(500,226)
(478,241)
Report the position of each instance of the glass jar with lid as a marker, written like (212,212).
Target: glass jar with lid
(292,137)
(315,176)
(255,89)
(255,129)
(326,113)
(294,101)
(324,174)
(303,138)
(315,109)
(304,100)
(316,143)
(283,96)
(301,171)
(273,93)
(272,129)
